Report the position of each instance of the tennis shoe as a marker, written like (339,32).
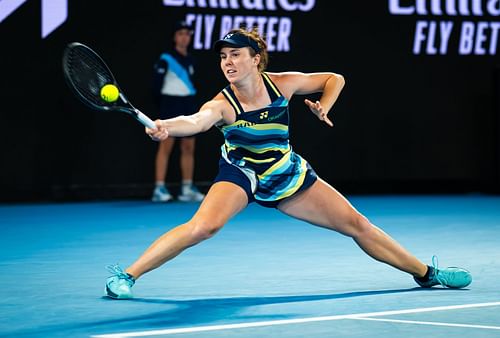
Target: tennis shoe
(190,194)
(119,285)
(450,277)
(161,194)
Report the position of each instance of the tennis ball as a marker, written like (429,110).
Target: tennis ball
(110,93)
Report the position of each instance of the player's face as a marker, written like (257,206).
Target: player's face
(237,63)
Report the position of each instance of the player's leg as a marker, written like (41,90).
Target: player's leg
(209,219)
(223,201)
(189,192)
(324,206)
(161,193)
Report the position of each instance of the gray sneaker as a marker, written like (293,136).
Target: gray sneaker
(161,194)
(190,194)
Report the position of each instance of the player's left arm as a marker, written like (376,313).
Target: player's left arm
(329,84)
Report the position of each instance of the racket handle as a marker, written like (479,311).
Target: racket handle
(144,119)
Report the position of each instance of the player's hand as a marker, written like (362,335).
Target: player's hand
(318,110)
(158,134)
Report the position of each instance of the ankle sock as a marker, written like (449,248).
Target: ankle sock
(425,278)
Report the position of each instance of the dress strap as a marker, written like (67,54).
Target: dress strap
(273,91)
(229,94)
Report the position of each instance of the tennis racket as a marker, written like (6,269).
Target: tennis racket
(86,73)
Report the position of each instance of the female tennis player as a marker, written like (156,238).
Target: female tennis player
(258,165)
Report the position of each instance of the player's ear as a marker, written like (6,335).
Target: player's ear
(256,59)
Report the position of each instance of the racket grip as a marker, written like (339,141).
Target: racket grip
(146,121)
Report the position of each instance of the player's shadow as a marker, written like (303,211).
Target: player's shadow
(178,313)
(209,310)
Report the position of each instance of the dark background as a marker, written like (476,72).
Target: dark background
(403,124)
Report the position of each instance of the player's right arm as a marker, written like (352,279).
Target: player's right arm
(210,113)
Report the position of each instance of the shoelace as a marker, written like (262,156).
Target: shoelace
(116,270)
(439,277)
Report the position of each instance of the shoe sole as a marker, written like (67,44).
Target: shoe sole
(188,199)
(112,295)
(161,200)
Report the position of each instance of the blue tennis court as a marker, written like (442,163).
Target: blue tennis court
(263,275)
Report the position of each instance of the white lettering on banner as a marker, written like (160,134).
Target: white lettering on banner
(444,32)
(432,37)
(452,7)
(276,29)
(479,38)
(260,5)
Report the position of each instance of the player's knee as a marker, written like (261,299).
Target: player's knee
(360,225)
(201,230)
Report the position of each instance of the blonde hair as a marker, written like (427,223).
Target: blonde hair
(255,36)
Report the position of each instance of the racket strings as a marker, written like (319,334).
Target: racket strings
(88,74)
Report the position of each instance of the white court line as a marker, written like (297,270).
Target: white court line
(430,323)
(290,321)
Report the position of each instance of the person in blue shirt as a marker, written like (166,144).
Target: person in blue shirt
(175,94)
(258,164)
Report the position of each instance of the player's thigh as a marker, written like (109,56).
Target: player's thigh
(223,201)
(322,205)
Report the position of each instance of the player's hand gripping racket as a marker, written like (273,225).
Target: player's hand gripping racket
(91,80)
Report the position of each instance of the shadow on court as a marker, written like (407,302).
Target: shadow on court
(203,311)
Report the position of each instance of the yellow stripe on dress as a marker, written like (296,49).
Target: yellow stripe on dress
(299,182)
(271,84)
(230,147)
(255,150)
(267,160)
(276,166)
(253,125)
(231,100)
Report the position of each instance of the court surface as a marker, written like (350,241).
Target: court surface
(263,275)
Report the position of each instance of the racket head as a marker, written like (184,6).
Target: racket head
(86,73)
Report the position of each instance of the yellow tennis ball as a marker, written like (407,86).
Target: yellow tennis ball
(110,93)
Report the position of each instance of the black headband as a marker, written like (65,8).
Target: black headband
(237,40)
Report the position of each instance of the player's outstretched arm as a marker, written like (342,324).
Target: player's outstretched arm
(209,114)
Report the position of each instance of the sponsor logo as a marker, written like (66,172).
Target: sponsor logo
(468,21)
(54,13)
(209,27)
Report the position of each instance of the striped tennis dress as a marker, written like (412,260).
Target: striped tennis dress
(258,144)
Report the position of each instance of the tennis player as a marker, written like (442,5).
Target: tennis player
(258,164)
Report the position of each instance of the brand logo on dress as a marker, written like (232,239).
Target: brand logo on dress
(264,115)
(277,116)
(246,124)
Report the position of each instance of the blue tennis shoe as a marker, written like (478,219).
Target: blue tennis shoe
(119,285)
(451,277)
